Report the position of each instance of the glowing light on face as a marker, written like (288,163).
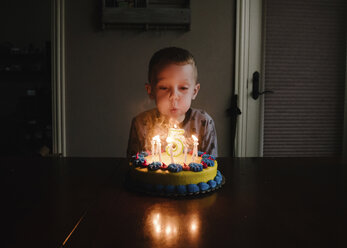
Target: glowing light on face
(175,90)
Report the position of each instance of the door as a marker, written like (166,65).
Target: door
(299,52)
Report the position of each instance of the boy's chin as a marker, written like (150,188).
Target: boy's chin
(176,117)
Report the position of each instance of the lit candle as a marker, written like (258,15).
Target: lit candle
(157,139)
(159,150)
(185,153)
(153,144)
(169,140)
(195,149)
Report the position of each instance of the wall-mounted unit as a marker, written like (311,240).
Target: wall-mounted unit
(146,14)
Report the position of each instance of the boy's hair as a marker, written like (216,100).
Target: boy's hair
(167,56)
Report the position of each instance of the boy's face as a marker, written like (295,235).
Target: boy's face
(174,91)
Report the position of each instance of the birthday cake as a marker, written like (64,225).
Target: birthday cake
(176,178)
(174,170)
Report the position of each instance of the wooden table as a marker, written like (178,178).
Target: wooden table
(266,202)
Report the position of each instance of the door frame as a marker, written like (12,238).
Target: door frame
(248,59)
(58,77)
(344,151)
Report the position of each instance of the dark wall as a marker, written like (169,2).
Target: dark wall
(106,73)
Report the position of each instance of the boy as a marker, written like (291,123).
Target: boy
(172,78)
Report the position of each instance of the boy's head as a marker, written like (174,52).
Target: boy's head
(168,56)
(172,77)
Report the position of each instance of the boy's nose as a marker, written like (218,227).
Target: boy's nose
(174,94)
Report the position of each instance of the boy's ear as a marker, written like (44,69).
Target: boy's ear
(149,90)
(196,90)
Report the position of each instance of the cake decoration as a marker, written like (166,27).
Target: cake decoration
(195,167)
(178,170)
(174,168)
(139,159)
(164,166)
(193,188)
(185,167)
(181,189)
(212,183)
(200,153)
(206,161)
(208,156)
(177,139)
(143,154)
(203,186)
(170,188)
(154,166)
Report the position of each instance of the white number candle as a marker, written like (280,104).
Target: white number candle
(169,140)
(177,140)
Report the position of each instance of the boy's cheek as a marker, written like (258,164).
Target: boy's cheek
(160,98)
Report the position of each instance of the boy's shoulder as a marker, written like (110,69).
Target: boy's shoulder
(199,114)
(152,113)
(146,118)
(198,118)
(146,113)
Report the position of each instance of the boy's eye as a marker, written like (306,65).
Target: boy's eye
(162,88)
(184,88)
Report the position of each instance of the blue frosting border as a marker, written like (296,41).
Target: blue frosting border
(183,190)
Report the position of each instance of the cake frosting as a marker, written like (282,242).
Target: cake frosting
(185,176)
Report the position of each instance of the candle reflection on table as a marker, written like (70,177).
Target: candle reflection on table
(166,226)
(193,226)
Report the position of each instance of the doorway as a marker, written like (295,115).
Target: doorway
(302,51)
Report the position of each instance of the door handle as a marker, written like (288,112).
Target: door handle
(255,88)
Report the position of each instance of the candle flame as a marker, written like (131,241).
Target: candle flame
(194,138)
(175,126)
(169,139)
(156,138)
